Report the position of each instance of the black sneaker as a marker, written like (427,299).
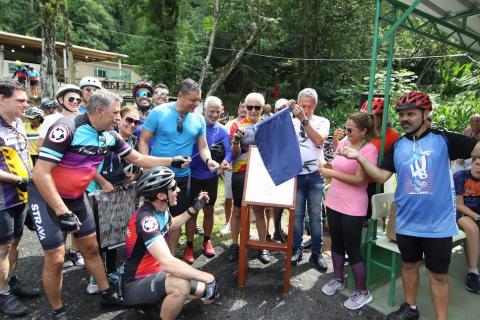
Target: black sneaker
(11,306)
(233,252)
(280,236)
(473,283)
(264,256)
(296,256)
(318,261)
(59,316)
(110,299)
(21,290)
(404,313)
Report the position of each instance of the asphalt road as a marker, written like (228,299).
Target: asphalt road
(261,299)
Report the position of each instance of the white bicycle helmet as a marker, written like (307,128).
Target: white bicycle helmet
(90,81)
(67,88)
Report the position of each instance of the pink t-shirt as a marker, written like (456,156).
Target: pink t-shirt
(346,198)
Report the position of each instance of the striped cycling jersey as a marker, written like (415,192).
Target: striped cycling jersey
(14,159)
(145,227)
(77,149)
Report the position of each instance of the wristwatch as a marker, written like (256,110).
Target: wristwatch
(304,122)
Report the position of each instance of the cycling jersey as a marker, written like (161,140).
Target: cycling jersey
(145,227)
(468,187)
(14,159)
(425,195)
(78,149)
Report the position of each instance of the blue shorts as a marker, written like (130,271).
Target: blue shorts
(11,223)
(46,221)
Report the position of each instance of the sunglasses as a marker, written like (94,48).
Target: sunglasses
(348,130)
(302,132)
(90,89)
(129,120)
(144,94)
(161,94)
(72,99)
(179,124)
(258,108)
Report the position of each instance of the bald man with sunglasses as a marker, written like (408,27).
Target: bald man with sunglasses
(173,128)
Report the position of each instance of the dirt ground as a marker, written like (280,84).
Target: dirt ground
(262,298)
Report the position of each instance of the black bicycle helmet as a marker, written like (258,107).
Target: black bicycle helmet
(49,104)
(218,152)
(155,180)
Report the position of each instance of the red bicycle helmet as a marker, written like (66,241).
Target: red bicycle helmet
(416,99)
(377,106)
(142,84)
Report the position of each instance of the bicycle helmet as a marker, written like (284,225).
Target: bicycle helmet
(18,63)
(142,84)
(218,152)
(49,104)
(155,180)
(67,88)
(90,81)
(33,112)
(416,99)
(377,106)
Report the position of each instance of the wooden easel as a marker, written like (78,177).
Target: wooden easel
(256,168)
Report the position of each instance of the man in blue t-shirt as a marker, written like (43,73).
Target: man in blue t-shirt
(174,128)
(218,140)
(424,197)
(467,189)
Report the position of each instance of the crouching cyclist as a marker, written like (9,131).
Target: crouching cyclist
(152,275)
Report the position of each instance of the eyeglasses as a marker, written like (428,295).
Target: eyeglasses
(179,124)
(302,132)
(257,108)
(144,94)
(129,120)
(72,99)
(161,94)
(90,89)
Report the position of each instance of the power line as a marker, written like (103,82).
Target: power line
(277,57)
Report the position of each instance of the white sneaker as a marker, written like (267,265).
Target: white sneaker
(78,259)
(358,300)
(333,286)
(67,262)
(92,287)
(225,229)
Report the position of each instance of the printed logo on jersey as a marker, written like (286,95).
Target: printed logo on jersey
(149,224)
(420,180)
(58,134)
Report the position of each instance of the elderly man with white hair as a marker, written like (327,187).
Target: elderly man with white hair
(202,179)
(311,131)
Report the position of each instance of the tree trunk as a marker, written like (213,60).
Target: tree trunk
(48,68)
(206,64)
(69,74)
(227,69)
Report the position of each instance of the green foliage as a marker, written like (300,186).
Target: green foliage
(337,116)
(454,114)
(458,78)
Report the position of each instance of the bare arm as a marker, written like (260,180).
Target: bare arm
(8,177)
(357,179)
(143,141)
(374,172)
(104,183)
(159,250)
(316,137)
(461,207)
(40,142)
(146,161)
(42,177)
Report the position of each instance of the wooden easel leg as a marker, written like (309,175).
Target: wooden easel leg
(288,257)
(243,260)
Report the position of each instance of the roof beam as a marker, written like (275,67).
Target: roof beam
(400,20)
(462,15)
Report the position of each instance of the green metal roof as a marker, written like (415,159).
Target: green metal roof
(453,22)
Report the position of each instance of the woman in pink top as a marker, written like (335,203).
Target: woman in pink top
(346,203)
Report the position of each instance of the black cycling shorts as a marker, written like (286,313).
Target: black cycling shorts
(46,221)
(11,223)
(148,290)
(210,186)
(238,181)
(183,197)
(437,251)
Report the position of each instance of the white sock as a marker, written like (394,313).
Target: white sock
(473,270)
(5,291)
(413,306)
